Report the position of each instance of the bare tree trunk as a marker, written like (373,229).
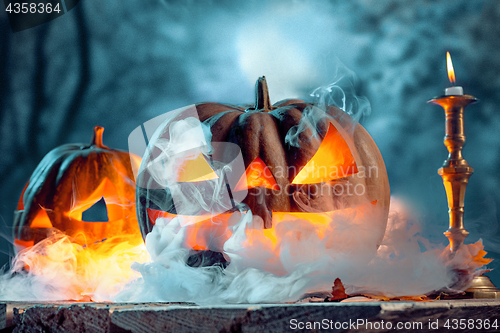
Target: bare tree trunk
(39,99)
(4,70)
(75,106)
(5,89)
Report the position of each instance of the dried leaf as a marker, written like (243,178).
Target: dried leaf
(338,291)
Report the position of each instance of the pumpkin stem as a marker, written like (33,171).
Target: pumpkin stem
(262,100)
(97,138)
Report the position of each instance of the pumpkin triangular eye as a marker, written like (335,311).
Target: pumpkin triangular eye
(333,160)
(41,220)
(257,174)
(105,190)
(96,213)
(195,170)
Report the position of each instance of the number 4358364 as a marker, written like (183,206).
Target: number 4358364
(478,324)
(32,8)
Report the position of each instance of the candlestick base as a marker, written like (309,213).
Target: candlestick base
(482,287)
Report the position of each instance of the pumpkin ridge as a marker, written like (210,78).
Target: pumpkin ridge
(219,124)
(257,132)
(30,202)
(207,110)
(38,181)
(288,101)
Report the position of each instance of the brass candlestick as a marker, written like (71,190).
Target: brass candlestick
(455,173)
(455,170)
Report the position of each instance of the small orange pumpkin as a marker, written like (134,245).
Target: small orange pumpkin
(75,181)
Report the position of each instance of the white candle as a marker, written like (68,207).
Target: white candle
(455,90)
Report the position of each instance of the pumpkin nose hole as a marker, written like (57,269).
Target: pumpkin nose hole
(98,212)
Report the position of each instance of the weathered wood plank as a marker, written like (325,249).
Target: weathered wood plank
(177,317)
(3,316)
(237,318)
(63,318)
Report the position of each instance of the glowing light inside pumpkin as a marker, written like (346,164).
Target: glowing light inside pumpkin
(41,220)
(449,66)
(257,174)
(82,231)
(303,248)
(107,190)
(207,232)
(333,160)
(195,170)
(85,232)
(60,269)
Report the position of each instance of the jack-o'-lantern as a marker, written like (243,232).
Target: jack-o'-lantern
(87,191)
(297,159)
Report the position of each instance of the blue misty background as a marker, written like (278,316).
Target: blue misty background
(118,64)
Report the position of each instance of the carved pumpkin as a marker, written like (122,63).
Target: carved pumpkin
(297,159)
(82,190)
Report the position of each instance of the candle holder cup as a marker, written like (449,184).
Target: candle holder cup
(455,173)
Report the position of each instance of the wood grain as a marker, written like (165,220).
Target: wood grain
(183,317)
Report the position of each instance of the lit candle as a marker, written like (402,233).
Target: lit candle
(455,90)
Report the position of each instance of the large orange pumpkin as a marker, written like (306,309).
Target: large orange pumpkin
(298,158)
(75,181)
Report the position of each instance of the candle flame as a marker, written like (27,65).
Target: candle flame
(451,71)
